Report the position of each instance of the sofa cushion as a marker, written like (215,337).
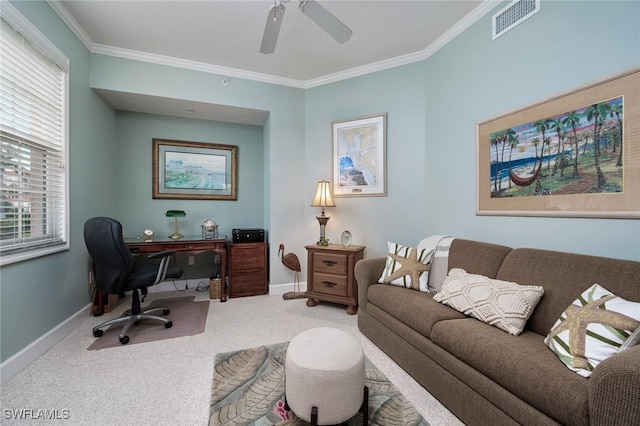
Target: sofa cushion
(503,304)
(404,264)
(564,277)
(415,309)
(521,364)
(593,328)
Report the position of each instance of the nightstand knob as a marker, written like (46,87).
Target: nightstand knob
(329,262)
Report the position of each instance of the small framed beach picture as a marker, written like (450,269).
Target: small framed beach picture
(359,156)
(576,155)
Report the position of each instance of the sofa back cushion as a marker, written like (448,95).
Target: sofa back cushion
(477,257)
(564,277)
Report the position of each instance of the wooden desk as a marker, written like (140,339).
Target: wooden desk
(190,245)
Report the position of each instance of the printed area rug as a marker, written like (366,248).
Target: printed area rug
(188,316)
(248,389)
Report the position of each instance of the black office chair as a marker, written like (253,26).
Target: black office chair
(116,272)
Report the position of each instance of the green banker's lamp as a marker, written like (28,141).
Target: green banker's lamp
(175,214)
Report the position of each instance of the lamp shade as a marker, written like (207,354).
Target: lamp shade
(323,195)
(175,213)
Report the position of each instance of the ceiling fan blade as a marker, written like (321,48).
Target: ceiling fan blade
(272,29)
(326,20)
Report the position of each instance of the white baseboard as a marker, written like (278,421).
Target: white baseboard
(280,289)
(15,364)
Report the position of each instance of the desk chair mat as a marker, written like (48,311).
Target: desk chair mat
(188,315)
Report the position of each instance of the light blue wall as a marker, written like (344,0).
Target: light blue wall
(282,141)
(139,211)
(401,215)
(39,294)
(473,79)
(433,108)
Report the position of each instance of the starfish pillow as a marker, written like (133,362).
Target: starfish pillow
(594,327)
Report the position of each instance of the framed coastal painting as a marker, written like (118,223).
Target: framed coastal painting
(194,170)
(576,155)
(359,156)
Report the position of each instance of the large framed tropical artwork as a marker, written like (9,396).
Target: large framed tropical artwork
(576,154)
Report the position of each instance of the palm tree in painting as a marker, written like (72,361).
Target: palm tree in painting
(496,138)
(616,110)
(513,142)
(500,137)
(597,113)
(561,159)
(541,127)
(572,119)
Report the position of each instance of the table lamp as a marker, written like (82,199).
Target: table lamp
(175,214)
(323,199)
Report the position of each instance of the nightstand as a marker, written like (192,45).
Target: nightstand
(330,275)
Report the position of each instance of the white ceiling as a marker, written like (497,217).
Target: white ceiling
(224,36)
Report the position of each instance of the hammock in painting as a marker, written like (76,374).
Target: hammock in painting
(524,181)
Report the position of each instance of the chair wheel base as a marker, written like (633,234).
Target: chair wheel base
(124,340)
(166,311)
(168,324)
(98,333)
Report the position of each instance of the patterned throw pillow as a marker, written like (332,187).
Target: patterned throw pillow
(595,326)
(404,264)
(503,304)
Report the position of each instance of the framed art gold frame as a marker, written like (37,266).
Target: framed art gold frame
(359,156)
(576,154)
(194,170)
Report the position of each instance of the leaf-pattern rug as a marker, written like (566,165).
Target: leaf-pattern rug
(248,389)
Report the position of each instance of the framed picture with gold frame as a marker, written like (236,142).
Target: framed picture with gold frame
(576,154)
(194,170)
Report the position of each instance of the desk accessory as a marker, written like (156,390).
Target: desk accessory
(209,230)
(175,214)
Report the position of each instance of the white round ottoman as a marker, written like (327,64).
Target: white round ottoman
(324,373)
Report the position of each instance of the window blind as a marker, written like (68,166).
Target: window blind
(33,146)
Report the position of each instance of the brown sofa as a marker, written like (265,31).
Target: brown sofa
(486,376)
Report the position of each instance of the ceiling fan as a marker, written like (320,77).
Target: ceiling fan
(317,13)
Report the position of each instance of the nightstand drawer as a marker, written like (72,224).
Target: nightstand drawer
(330,284)
(330,263)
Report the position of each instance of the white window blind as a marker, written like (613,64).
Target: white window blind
(33,93)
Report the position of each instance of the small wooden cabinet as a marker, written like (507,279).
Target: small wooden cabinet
(330,275)
(247,269)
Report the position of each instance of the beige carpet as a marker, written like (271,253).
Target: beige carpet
(188,316)
(168,382)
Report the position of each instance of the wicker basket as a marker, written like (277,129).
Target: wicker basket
(215,288)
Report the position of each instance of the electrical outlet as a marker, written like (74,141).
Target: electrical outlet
(192,260)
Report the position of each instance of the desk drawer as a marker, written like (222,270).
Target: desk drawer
(330,284)
(142,248)
(330,263)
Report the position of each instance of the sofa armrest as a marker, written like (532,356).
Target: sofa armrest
(614,390)
(367,272)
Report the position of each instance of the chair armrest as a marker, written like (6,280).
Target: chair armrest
(614,390)
(161,254)
(367,272)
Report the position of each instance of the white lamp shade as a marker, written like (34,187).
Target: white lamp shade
(323,195)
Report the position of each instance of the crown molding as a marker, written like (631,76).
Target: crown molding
(194,65)
(64,14)
(452,33)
